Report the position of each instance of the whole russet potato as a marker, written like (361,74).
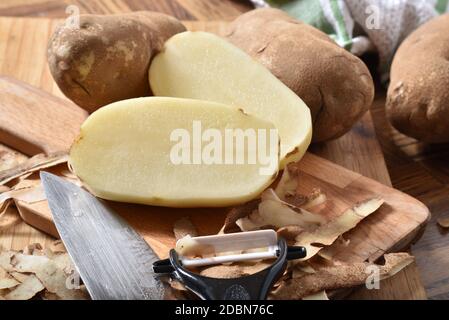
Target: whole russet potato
(418,96)
(335,85)
(106,58)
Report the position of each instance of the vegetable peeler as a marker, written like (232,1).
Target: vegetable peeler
(254,245)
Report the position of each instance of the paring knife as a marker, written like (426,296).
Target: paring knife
(114,262)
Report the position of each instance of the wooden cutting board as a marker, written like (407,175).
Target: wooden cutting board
(22,40)
(392,227)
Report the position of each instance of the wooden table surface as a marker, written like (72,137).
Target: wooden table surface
(417,169)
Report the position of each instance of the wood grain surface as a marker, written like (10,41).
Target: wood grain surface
(34,121)
(422,172)
(182,9)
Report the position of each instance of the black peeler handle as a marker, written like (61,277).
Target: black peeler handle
(165,266)
(252,287)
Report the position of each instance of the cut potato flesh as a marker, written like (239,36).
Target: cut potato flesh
(175,152)
(200,65)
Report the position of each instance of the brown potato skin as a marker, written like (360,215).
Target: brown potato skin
(107,58)
(418,95)
(335,85)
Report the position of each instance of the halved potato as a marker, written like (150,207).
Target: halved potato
(166,152)
(201,65)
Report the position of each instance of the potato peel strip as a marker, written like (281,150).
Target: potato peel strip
(328,233)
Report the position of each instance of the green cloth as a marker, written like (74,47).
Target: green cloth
(347,21)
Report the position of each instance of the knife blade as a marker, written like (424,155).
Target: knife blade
(114,262)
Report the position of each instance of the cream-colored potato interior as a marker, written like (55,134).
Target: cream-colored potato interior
(123,154)
(200,65)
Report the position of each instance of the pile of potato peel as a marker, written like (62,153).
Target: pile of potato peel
(34,272)
(38,273)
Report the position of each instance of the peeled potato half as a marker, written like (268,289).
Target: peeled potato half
(176,153)
(200,65)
